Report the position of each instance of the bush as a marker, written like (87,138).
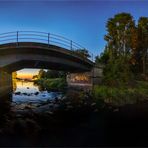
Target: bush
(121,95)
(52,84)
(117,72)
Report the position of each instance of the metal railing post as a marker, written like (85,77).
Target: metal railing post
(17,37)
(48,39)
(71,44)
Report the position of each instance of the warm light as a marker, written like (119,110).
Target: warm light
(27,73)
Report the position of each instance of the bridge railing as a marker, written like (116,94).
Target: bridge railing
(46,38)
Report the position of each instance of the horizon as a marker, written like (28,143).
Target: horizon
(27,73)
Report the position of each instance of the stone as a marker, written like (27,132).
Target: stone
(116,110)
(17,93)
(93,104)
(69,106)
(36,93)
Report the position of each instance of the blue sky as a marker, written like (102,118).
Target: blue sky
(82,21)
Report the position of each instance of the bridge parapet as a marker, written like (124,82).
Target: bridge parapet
(43,37)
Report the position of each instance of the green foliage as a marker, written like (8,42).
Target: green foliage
(118,35)
(83,52)
(41,74)
(75,97)
(52,84)
(121,95)
(117,72)
(124,57)
(126,40)
(14,75)
(50,74)
(126,52)
(103,58)
(51,80)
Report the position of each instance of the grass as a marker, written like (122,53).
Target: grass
(122,95)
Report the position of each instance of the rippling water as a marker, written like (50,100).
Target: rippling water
(28,92)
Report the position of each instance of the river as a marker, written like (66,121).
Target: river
(27,93)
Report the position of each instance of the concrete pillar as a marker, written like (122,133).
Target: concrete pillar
(97,74)
(5,85)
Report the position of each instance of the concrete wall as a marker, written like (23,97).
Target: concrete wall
(97,74)
(5,84)
(86,79)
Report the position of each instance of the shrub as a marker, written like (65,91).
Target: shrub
(121,95)
(52,84)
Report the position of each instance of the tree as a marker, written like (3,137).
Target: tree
(117,54)
(83,52)
(52,74)
(126,51)
(14,75)
(119,35)
(143,41)
(103,58)
(35,77)
(41,74)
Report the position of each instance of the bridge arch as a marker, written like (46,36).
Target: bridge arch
(31,49)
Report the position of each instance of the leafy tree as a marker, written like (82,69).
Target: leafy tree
(119,34)
(52,74)
(117,72)
(103,58)
(41,74)
(14,75)
(35,77)
(83,52)
(117,54)
(143,41)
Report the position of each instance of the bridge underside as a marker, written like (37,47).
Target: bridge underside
(36,55)
(40,65)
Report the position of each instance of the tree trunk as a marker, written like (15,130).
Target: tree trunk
(144,65)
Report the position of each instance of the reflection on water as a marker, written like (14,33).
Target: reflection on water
(28,92)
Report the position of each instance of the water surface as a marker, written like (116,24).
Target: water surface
(28,92)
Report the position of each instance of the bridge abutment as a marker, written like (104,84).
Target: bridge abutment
(86,79)
(5,85)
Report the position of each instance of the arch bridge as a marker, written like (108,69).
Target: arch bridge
(32,49)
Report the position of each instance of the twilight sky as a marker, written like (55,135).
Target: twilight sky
(79,20)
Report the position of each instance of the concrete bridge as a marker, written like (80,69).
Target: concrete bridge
(30,49)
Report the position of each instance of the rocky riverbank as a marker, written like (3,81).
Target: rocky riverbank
(76,122)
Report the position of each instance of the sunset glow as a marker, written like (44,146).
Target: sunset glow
(27,73)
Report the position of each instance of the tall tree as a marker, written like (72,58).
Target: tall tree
(143,41)
(119,48)
(103,58)
(119,35)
